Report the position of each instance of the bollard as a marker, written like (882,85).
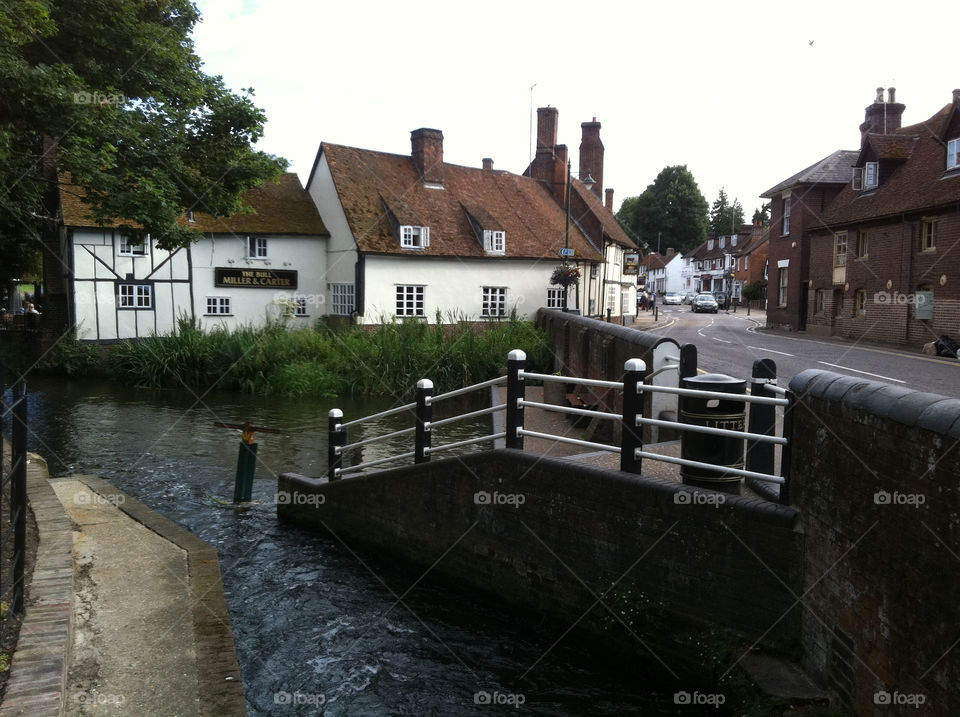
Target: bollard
(246,459)
(336,440)
(516,391)
(763,418)
(421,451)
(720,451)
(631,438)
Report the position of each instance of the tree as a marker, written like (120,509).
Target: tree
(112,95)
(670,212)
(725,218)
(761,216)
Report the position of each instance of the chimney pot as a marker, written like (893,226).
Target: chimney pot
(956,95)
(487,163)
(427,154)
(891,94)
(879,95)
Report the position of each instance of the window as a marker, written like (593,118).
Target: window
(128,248)
(861,302)
(342,299)
(723,241)
(840,249)
(409,300)
(782,283)
(611,298)
(556,298)
(134,296)
(746,262)
(256,247)
(300,306)
(838,302)
(928,237)
(219,306)
(953,153)
(786,216)
(494,242)
(494,301)
(414,237)
(818,302)
(594,271)
(624,299)
(871,175)
(863,244)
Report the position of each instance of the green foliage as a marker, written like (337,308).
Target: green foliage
(72,358)
(672,208)
(762,215)
(752,291)
(388,359)
(725,218)
(114,94)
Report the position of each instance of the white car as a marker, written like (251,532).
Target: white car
(672,297)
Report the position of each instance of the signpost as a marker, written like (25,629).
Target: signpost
(566,253)
(246,460)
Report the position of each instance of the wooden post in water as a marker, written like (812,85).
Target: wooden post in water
(246,459)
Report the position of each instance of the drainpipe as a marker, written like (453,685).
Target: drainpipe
(910,246)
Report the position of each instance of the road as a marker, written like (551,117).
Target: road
(729,343)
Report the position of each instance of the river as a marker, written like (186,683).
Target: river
(314,622)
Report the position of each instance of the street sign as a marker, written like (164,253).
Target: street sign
(566,252)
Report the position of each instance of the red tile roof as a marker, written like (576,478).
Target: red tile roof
(367,182)
(281,207)
(612,231)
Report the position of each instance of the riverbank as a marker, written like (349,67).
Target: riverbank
(125,612)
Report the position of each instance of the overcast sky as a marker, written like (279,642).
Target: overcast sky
(743,93)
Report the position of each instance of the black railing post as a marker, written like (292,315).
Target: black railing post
(631,438)
(336,440)
(516,391)
(421,450)
(18,492)
(787,452)
(763,418)
(688,361)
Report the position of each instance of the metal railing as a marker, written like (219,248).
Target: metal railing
(13,503)
(759,438)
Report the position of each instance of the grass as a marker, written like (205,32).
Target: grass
(271,360)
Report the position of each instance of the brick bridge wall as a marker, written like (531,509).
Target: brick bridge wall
(878,490)
(554,535)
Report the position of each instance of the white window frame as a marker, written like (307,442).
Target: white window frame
(219,306)
(863,244)
(300,306)
(840,249)
(126,248)
(953,154)
(257,247)
(786,215)
(414,237)
(134,296)
(782,286)
(871,175)
(860,303)
(342,299)
(928,235)
(556,297)
(410,300)
(494,301)
(494,242)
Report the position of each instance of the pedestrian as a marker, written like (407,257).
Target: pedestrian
(653,300)
(643,301)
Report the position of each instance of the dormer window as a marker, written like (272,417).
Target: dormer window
(871,175)
(256,247)
(128,248)
(723,241)
(494,242)
(412,237)
(953,154)
(709,244)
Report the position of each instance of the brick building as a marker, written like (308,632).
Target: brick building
(885,264)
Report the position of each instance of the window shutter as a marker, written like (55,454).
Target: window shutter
(425,236)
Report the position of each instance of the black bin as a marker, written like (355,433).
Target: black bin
(722,451)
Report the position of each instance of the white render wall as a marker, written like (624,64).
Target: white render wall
(253,305)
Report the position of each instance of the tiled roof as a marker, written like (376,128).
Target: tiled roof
(653,261)
(366,180)
(834,169)
(281,207)
(916,184)
(612,230)
(887,146)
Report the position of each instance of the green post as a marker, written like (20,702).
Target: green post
(246,465)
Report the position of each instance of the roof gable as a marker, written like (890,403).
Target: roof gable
(832,169)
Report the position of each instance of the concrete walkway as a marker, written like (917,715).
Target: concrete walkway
(126,612)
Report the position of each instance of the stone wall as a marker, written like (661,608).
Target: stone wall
(876,479)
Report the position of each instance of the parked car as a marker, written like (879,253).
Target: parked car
(704,302)
(672,297)
(723,299)
(689,297)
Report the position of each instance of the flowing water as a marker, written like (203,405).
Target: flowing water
(321,629)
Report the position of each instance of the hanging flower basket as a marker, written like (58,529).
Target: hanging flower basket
(565,275)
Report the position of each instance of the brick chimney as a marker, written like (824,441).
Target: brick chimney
(487,163)
(609,200)
(546,128)
(956,96)
(882,117)
(591,154)
(427,154)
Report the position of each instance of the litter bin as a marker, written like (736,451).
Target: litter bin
(721,451)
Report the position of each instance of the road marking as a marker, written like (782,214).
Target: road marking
(721,340)
(867,373)
(760,348)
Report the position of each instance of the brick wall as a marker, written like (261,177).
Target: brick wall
(575,531)
(878,490)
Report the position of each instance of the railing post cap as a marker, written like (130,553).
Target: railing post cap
(424,383)
(634,364)
(335,413)
(517,355)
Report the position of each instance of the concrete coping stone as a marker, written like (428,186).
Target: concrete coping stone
(645,339)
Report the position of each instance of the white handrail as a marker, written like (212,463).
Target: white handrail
(571,410)
(695,393)
(467,389)
(382,414)
(570,379)
(571,441)
(370,464)
(401,432)
(473,414)
(469,441)
(710,466)
(680,426)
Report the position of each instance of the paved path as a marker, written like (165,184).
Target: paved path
(125,612)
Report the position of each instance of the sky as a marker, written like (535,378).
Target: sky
(745,94)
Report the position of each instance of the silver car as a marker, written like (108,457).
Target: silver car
(704,302)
